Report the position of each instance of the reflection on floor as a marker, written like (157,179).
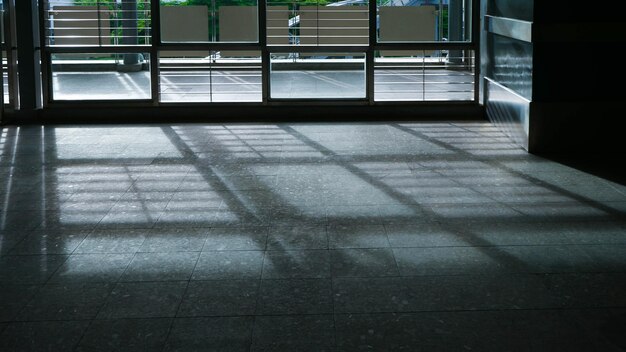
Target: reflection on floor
(296,237)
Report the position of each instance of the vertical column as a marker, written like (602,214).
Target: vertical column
(2,47)
(508,67)
(265,53)
(370,58)
(455,28)
(155,44)
(29,55)
(11,53)
(130,34)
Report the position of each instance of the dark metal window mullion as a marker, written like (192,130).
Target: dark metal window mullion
(46,56)
(475,38)
(213,57)
(100,23)
(265,54)
(11,45)
(155,43)
(423,75)
(370,53)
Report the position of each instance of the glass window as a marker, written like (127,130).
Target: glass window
(219,76)
(78,23)
(3,62)
(209,21)
(418,75)
(317,22)
(332,35)
(424,20)
(317,75)
(4,58)
(2,22)
(91,76)
(5,78)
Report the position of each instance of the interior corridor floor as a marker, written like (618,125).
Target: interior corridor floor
(303,237)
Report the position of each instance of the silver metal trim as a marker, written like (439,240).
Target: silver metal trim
(491,80)
(508,27)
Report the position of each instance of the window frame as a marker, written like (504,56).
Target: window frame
(157,45)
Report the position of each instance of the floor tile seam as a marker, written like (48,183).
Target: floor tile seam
(94,318)
(31,208)
(475,275)
(261,276)
(455,307)
(564,244)
(130,262)
(132,252)
(9,252)
(327,236)
(188,281)
(512,272)
(200,316)
(240,315)
(192,226)
(274,251)
(563,202)
(259,287)
(118,280)
(106,229)
(558,189)
(332,300)
(483,310)
(493,197)
(616,186)
(169,200)
(483,135)
(72,251)
(497,273)
(573,220)
(180,302)
(257,301)
(121,277)
(27,321)
(161,251)
(209,230)
(393,254)
(4,256)
(386,238)
(251,336)
(494,274)
(244,279)
(104,300)
(97,225)
(67,257)
(433,206)
(522,218)
(28,301)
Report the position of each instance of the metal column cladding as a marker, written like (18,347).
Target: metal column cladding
(507,66)
(29,54)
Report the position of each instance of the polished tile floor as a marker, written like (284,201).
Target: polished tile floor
(303,237)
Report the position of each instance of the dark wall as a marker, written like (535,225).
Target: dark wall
(564,11)
(567,71)
(576,107)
